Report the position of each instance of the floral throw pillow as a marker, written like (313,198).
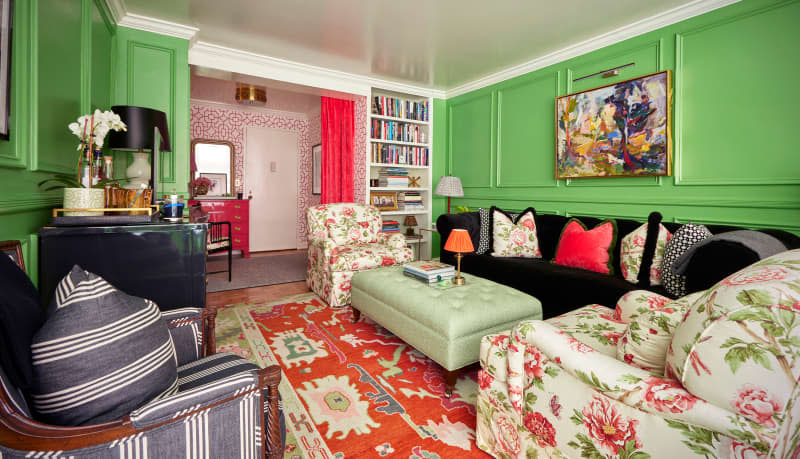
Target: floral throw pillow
(632,254)
(514,237)
(645,342)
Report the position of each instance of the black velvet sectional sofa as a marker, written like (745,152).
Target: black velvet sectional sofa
(562,289)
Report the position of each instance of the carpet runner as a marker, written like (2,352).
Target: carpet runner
(352,390)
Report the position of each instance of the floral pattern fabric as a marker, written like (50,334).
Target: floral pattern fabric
(731,389)
(511,239)
(344,238)
(632,254)
(593,325)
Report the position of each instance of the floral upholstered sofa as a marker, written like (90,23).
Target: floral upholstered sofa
(712,374)
(344,238)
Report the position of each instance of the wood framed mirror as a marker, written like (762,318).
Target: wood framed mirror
(215,161)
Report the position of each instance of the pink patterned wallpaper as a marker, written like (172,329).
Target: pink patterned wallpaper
(227,122)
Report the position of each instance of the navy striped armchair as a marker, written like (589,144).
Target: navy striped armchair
(225,406)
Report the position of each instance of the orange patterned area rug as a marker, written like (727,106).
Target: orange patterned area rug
(352,390)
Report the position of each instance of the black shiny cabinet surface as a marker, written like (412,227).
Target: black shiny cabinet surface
(165,263)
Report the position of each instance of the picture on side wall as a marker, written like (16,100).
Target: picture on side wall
(6,11)
(316,169)
(219,183)
(617,130)
(13,250)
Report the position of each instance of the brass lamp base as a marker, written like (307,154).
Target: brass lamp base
(459,279)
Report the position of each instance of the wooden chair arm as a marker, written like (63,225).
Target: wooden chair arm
(209,332)
(269,378)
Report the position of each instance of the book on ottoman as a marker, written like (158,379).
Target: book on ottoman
(430,271)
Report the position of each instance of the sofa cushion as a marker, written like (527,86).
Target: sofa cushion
(100,354)
(351,224)
(21,315)
(484,237)
(587,249)
(684,238)
(648,335)
(633,253)
(637,302)
(356,257)
(514,236)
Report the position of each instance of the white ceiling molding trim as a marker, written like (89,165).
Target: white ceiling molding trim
(233,60)
(664,19)
(117,9)
(246,108)
(148,24)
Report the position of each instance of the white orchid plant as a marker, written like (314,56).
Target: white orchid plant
(92,130)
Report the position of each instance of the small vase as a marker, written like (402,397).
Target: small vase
(139,172)
(84,198)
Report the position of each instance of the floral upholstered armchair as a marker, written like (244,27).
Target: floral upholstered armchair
(712,374)
(344,238)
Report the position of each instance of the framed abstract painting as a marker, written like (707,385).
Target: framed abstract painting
(618,130)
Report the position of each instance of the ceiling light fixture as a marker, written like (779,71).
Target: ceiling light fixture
(247,94)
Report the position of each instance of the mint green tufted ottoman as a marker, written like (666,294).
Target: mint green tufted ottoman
(445,325)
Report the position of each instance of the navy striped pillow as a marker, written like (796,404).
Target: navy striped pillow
(100,355)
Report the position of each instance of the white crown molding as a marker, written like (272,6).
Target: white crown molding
(649,24)
(172,29)
(246,108)
(233,60)
(117,9)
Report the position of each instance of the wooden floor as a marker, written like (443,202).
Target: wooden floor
(259,294)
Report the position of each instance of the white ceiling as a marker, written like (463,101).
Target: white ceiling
(436,44)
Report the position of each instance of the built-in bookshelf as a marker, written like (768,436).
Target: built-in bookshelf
(400,156)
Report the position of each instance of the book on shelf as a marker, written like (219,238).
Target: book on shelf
(390,226)
(399,154)
(399,108)
(397,130)
(393,177)
(429,268)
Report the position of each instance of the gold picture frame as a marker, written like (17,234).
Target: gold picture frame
(383,200)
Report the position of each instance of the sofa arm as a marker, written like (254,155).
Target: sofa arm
(394,240)
(192,332)
(320,252)
(632,386)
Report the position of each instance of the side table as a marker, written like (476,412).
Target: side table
(415,239)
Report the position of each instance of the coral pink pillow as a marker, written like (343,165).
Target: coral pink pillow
(592,250)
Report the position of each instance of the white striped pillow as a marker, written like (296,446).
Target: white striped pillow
(100,355)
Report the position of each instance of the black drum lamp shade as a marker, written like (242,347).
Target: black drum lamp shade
(140,122)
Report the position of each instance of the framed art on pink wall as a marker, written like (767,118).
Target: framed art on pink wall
(618,130)
(316,169)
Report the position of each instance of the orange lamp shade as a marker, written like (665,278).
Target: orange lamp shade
(459,242)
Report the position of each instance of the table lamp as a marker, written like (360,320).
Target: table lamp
(145,126)
(460,243)
(410,222)
(449,186)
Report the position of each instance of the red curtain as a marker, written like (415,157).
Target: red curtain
(337,150)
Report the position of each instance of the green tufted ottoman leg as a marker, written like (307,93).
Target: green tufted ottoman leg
(450,378)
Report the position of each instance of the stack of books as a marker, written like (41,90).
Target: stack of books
(390,226)
(391,106)
(395,177)
(401,201)
(429,272)
(412,200)
(399,154)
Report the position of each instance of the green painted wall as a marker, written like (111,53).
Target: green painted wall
(152,71)
(735,109)
(61,62)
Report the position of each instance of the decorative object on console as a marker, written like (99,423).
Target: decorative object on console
(621,129)
(514,235)
(218,183)
(460,243)
(147,132)
(410,222)
(449,186)
(200,186)
(413,181)
(592,250)
(683,239)
(642,252)
(124,370)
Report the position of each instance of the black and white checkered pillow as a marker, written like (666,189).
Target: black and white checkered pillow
(483,242)
(684,238)
(100,355)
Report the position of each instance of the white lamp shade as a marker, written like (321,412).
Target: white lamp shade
(449,186)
